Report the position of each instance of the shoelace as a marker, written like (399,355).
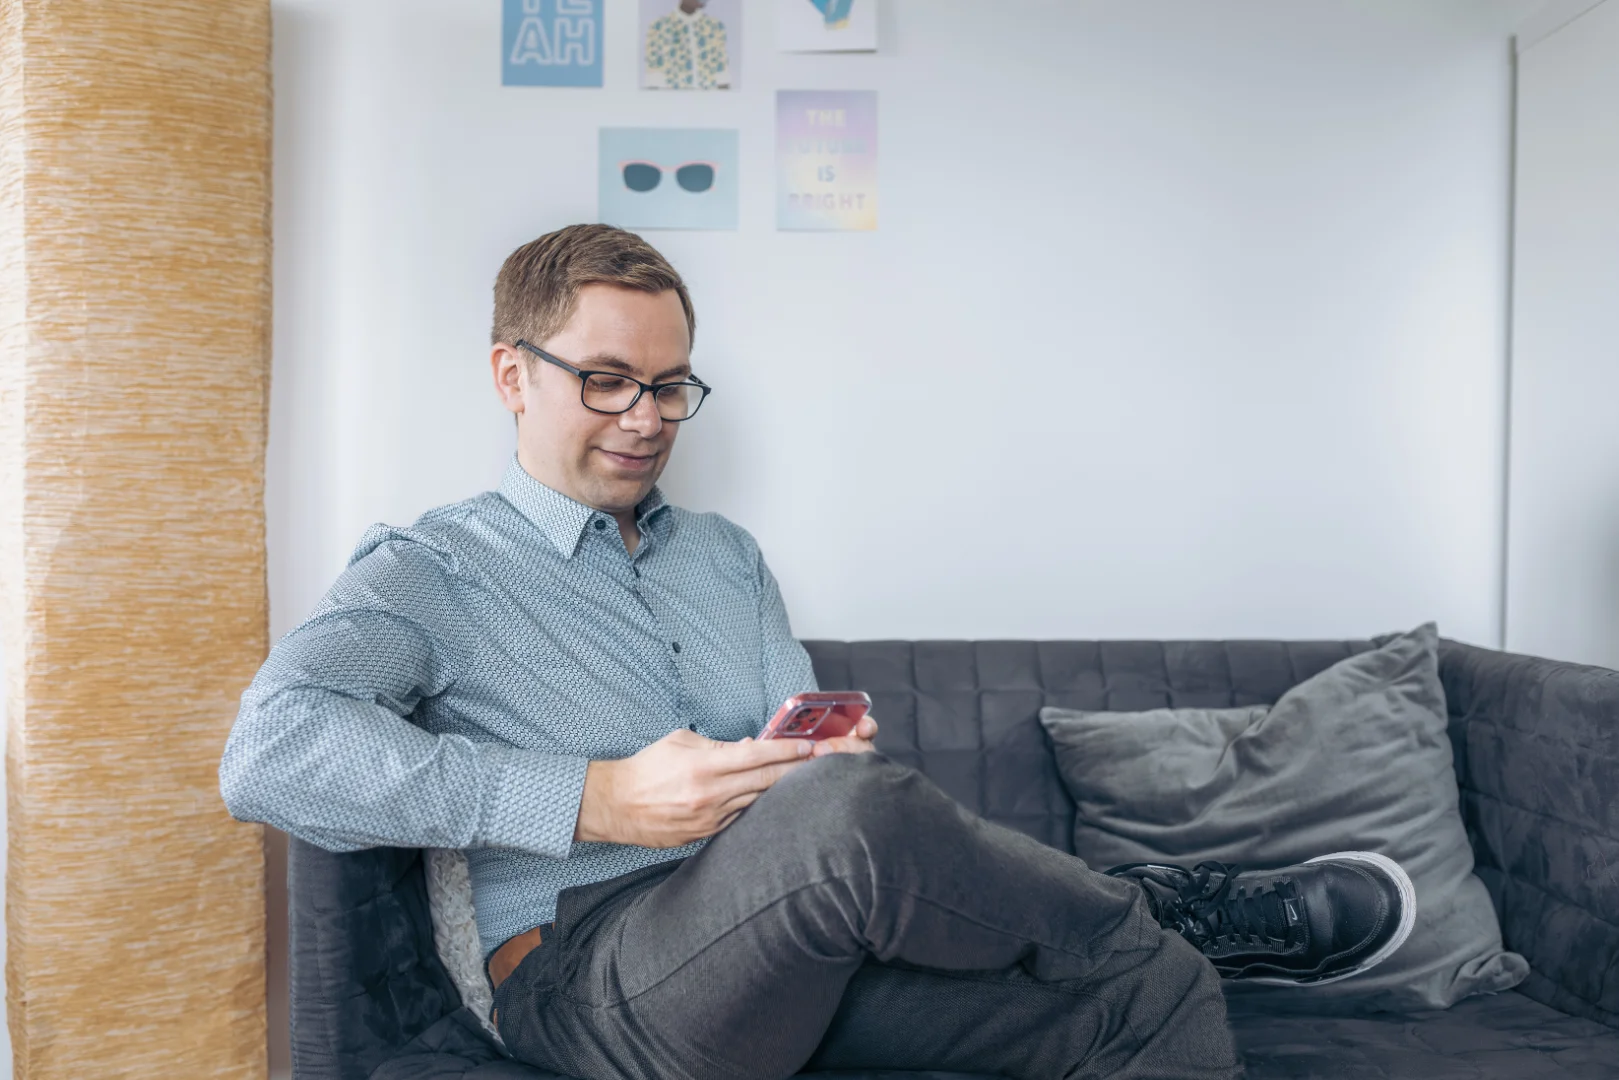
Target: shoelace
(1204,911)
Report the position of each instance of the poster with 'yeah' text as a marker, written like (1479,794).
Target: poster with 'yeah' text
(826,159)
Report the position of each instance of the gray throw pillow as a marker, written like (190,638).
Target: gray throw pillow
(1356,758)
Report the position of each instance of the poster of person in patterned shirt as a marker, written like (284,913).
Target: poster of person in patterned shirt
(688,44)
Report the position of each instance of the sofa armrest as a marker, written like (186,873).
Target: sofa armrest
(1537,759)
(365,975)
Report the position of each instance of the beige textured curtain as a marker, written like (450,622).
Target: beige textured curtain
(134,322)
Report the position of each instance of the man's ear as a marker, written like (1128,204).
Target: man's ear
(507,365)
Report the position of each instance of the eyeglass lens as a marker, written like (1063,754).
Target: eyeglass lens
(611,394)
(695,177)
(642,177)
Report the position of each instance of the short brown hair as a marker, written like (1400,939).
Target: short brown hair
(538,284)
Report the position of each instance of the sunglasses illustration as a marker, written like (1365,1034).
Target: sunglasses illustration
(694,176)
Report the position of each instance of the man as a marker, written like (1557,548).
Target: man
(686,50)
(564,677)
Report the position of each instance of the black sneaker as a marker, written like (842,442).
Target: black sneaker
(1325,920)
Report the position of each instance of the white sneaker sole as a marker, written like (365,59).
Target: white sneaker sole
(1408,918)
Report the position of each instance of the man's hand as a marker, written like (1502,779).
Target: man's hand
(858,743)
(681,788)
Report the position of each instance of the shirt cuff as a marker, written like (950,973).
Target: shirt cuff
(533,801)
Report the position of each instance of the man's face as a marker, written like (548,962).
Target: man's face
(608,462)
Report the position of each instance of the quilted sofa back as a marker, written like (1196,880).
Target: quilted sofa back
(967,712)
(1537,759)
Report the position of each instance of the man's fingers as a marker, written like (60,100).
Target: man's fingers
(744,756)
(736,804)
(732,808)
(867,728)
(754,781)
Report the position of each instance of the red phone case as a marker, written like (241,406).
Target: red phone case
(819,715)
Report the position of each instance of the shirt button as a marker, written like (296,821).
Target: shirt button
(676,646)
(600,524)
(691,727)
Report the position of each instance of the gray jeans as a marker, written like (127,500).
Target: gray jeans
(856,917)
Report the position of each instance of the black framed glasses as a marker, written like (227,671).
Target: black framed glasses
(613,392)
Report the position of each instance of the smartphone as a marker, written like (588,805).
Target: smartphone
(820,715)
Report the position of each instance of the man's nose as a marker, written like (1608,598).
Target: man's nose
(642,418)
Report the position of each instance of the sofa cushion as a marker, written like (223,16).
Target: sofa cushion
(456,1048)
(1494,1037)
(1356,757)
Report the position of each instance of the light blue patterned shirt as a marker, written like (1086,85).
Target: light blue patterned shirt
(455,681)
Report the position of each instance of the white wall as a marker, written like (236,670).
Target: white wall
(1183,319)
(1563,539)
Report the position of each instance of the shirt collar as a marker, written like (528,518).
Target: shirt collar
(561,519)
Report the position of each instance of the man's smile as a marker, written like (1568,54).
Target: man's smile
(630,462)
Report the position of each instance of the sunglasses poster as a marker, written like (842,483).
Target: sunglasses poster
(691,44)
(826,159)
(668,178)
(826,25)
(551,43)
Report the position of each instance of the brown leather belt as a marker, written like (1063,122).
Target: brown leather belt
(507,957)
(504,960)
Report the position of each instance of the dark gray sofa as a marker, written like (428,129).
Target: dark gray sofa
(1537,756)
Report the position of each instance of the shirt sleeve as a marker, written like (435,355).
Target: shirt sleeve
(322,747)
(653,74)
(787,668)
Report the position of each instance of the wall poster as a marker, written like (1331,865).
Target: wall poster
(551,43)
(691,44)
(826,159)
(826,25)
(668,178)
